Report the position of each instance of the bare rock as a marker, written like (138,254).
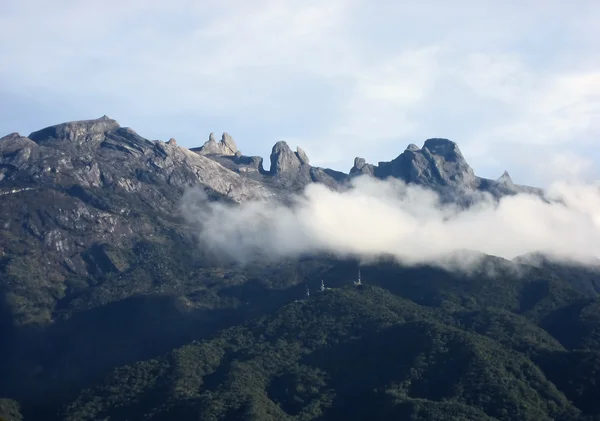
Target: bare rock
(361,167)
(506,179)
(225,147)
(76,131)
(302,156)
(283,160)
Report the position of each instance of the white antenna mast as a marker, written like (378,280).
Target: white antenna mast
(358,282)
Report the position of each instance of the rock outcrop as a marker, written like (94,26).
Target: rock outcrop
(283,160)
(76,131)
(302,156)
(361,168)
(225,147)
(291,171)
(439,165)
(101,153)
(506,179)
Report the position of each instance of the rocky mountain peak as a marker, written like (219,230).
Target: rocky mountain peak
(361,167)
(10,136)
(444,148)
(76,131)
(229,143)
(11,144)
(359,162)
(505,178)
(226,146)
(284,160)
(438,164)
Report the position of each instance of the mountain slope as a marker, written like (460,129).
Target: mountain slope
(343,354)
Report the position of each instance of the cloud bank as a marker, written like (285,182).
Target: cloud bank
(376,218)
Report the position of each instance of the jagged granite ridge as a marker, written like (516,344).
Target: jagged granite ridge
(441,166)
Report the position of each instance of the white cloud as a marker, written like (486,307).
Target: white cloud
(388,218)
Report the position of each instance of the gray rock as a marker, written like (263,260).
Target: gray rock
(302,156)
(94,153)
(225,147)
(361,167)
(228,144)
(506,179)
(76,131)
(283,160)
(448,164)
(439,165)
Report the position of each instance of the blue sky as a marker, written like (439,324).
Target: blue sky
(515,83)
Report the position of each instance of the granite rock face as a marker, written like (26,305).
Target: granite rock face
(226,146)
(441,166)
(302,156)
(100,153)
(506,179)
(76,131)
(283,160)
(361,167)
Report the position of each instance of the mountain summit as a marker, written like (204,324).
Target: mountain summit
(76,131)
(87,152)
(506,179)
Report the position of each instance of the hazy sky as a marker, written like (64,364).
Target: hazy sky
(515,83)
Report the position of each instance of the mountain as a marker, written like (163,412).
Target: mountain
(109,307)
(440,165)
(357,354)
(80,195)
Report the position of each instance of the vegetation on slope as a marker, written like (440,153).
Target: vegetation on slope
(347,354)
